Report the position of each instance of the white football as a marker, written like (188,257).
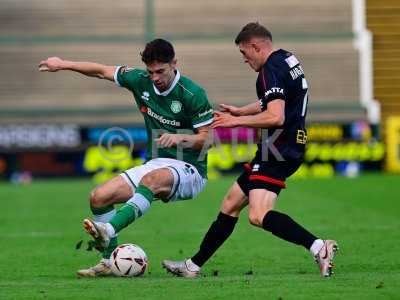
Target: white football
(128,260)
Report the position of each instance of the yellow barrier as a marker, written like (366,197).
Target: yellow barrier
(101,162)
(106,164)
(393,144)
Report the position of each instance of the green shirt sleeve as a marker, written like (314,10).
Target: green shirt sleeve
(127,77)
(201,110)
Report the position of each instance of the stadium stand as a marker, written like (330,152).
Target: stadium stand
(319,32)
(384,22)
(287,16)
(70,18)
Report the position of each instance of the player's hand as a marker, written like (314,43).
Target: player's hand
(168,140)
(233,110)
(224,120)
(52,64)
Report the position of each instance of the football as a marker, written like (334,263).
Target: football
(128,260)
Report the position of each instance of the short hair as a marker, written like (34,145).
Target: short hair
(158,50)
(252,30)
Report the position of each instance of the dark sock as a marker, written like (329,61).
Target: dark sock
(286,228)
(219,231)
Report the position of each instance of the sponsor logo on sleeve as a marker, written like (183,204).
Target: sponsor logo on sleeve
(204,113)
(274,90)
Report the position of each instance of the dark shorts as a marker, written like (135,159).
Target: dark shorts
(268,175)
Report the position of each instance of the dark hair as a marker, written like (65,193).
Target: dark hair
(158,50)
(252,30)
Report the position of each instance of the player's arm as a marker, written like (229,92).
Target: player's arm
(198,140)
(91,69)
(247,110)
(194,141)
(273,116)
(272,105)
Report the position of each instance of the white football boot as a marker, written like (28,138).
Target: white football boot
(98,231)
(100,270)
(325,257)
(185,268)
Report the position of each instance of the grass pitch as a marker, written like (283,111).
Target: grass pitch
(41,223)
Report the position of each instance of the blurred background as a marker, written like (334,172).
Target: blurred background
(51,123)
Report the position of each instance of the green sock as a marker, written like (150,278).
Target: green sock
(99,212)
(104,215)
(133,209)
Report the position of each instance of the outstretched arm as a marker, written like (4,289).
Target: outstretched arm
(54,64)
(247,110)
(273,116)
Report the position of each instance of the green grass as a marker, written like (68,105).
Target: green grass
(41,223)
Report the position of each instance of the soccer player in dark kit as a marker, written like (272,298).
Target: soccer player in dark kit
(280,112)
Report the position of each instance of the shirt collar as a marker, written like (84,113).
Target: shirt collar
(173,84)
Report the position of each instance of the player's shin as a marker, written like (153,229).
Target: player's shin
(133,209)
(286,228)
(104,215)
(218,233)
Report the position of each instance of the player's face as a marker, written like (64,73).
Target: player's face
(162,74)
(251,55)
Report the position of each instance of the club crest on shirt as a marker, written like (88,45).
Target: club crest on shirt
(176,106)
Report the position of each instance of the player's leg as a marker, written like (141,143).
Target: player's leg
(161,178)
(102,200)
(217,234)
(262,214)
(157,183)
(264,189)
(233,203)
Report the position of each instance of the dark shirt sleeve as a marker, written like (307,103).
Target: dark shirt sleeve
(272,86)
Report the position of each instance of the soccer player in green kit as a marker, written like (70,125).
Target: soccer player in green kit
(176,166)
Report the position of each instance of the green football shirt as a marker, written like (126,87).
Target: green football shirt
(182,108)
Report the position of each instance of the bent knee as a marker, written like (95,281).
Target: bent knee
(96,198)
(149,179)
(256,218)
(231,207)
(158,181)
